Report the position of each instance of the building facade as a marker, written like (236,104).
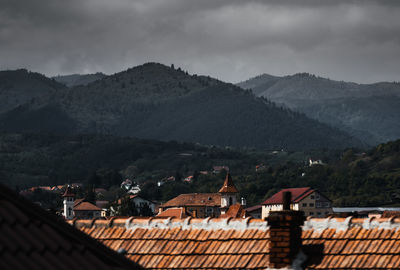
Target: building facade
(308,200)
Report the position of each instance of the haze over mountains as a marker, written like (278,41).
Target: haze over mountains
(370,112)
(158,102)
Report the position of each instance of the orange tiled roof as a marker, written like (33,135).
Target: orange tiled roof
(235,211)
(388,214)
(216,243)
(86,206)
(31,238)
(78,201)
(177,212)
(228,186)
(195,199)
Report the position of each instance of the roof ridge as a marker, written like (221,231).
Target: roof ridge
(302,194)
(318,224)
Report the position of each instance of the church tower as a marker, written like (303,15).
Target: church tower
(69,197)
(228,194)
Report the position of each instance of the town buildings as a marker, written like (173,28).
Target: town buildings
(306,199)
(206,204)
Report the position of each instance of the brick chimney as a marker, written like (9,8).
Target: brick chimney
(285,234)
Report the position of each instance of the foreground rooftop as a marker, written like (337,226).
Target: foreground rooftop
(217,243)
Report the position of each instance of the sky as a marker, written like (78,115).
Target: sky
(230,40)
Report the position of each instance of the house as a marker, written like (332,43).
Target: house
(306,199)
(188,179)
(198,204)
(206,204)
(79,208)
(285,240)
(315,162)
(87,210)
(31,238)
(137,201)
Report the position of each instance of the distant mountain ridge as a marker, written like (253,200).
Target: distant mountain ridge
(371,112)
(78,79)
(18,87)
(158,102)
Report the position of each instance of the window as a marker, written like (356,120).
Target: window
(318,204)
(327,204)
(311,213)
(318,213)
(311,204)
(317,196)
(230,201)
(304,204)
(312,197)
(326,213)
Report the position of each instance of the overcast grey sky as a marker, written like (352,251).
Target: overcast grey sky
(230,40)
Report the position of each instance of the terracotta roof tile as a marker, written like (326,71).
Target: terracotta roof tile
(238,243)
(177,212)
(31,238)
(86,206)
(195,199)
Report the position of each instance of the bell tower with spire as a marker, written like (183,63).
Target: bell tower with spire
(228,193)
(68,197)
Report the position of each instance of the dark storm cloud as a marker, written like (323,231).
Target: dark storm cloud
(231,40)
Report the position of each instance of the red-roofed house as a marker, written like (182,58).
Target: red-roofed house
(206,204)
(79,208)
(87,210)
(306,199)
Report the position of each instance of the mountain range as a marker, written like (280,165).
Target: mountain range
(78,79)
(369,112)
(154,101)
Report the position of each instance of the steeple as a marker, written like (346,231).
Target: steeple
(68,201)
(228,186)
(228,193)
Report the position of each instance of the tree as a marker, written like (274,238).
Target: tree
(91,195)
(145,211)
(127,208)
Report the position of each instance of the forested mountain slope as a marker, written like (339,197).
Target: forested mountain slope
(370,112)
(159,102)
